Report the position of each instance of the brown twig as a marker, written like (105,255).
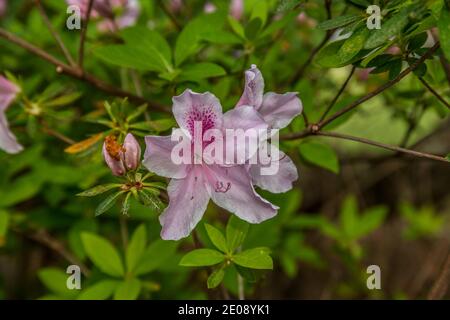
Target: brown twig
(54,33)
(434,92)
(45,239)
(341,90)
(83,35)
(74,72)
(380,89)
(382,145)
(441,285)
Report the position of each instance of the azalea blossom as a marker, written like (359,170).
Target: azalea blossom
(8,92)
(193,185)
(122,158)
(277,110)
(115,14)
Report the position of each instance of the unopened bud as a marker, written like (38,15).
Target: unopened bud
(131,152)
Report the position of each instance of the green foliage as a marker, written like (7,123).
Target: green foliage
(103,254)
(320,155)
(422,222)
(128,81)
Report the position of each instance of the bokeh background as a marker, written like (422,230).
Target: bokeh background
(353,206)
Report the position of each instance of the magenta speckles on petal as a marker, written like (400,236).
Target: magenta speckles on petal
(203,114)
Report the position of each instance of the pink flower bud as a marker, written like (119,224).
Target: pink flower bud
(112,153)
(131,152)
(237,9)
(209,7)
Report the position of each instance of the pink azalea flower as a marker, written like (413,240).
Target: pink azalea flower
(115,14)
(8,92)
(237,9)
(193,185)
(277,110)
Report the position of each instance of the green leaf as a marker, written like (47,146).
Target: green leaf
(444,31)
(155,256)
(256,258)
(190,37)
(144,49)
(237,27)
(260,11)
(215,278)
(349,217)
(319,154)
(128,290)
(201,71)
(371,220)
(150,200)
(216,237)
(102,290)
(252,29)
(98,190)
(136,247)
(339,21)
(4,222)
(102,254)
(56,281)
(328,57)
(202,257)
(107,204)
(155,125)
(236,232)
(390,28)
(353,45)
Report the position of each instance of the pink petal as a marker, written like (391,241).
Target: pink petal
(188,201)
(8,141)
(231,189)
(191,107)
(244,118)
(279,182)
(157,157)
(278,110)
(8,92)
(254,88)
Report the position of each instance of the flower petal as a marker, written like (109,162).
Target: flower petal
(279,182)
(245,117)
(8,140)
(254,88)
(242,121)
(231,189)
(188,200)
(278,110)
(190,107)
(157,157)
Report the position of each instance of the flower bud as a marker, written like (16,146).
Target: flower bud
(131,152)
(112,153)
